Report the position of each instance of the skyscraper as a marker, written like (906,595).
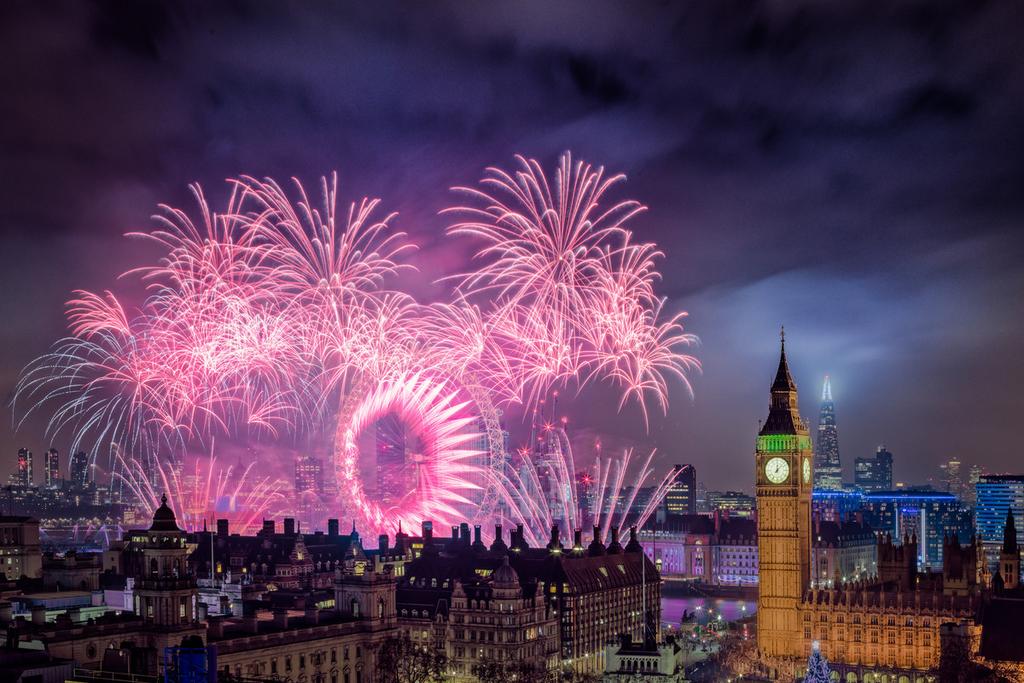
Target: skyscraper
(79,469)
(874,474)
(392,482)
(828,472)
(681,497)
(309,474)
(952,482)
(51,467)
(997,493)
(24,474)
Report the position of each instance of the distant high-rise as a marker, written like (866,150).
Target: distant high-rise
(952,482)
(309,474)
(681,497)
(828,472)
(24,474)
(874,474)
(392,482)
(51,467)
(970,493)
(79,469)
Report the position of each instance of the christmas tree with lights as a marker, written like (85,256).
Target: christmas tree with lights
(817,666)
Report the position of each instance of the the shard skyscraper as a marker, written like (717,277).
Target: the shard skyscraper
(828,472)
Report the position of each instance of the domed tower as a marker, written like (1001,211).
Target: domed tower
(784,475)
(165,587)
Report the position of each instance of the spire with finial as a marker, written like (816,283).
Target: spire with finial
(783,413)
(1009,534)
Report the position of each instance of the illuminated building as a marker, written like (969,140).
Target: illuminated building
(20,554)
(734,558)
(874,474)
(833,506)
(51,467)
(681,497)
(842,552)
(997,493)
(952,481)
(309,474)
(1007,577)
(585,485)
(392,479)
(735,503)
(784,465)
(589,594)
(24,473)
(828,471)
(971,492)
(883,629)
(929,515)
(78,469)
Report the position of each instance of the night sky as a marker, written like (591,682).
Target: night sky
(854,171)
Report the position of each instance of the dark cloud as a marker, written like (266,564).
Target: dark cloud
(850,169)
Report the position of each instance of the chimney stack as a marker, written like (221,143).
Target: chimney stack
(222,527)
(289,526)
(333,528)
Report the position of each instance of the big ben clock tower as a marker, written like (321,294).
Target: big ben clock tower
(784,476)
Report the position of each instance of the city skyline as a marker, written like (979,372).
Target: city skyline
(743,256)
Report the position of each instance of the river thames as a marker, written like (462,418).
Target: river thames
(730,609)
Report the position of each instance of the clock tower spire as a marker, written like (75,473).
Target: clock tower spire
(784,476)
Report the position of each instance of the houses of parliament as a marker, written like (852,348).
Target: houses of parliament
(892,628)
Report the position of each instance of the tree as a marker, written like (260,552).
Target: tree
(402,661)
(493,671)
(817,666)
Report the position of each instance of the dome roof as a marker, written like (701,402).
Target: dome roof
(505,576)
(163,518)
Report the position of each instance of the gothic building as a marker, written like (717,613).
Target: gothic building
(886,627)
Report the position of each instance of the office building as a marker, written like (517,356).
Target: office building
(929,516)
(392,480)
(309,474)
(996,494)
(875,473)
(828,471)
(835,506)
(23,477)
(51,467)
(952,479)
(681,497)
(78,470)
(734,503)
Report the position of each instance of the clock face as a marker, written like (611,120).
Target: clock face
(807,470)
(777,470)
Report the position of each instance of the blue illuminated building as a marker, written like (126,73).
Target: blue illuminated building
(995,494)
(834,506)
(928,515)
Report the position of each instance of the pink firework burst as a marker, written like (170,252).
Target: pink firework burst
(567,282)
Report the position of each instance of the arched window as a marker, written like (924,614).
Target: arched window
(355,607)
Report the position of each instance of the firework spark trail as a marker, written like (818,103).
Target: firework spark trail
(194,496)
(260,316)
(564,278)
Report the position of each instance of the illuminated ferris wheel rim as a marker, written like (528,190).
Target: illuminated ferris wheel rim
(429,403)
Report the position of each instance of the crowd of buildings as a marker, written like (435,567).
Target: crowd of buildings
(290,606)
(897,619)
